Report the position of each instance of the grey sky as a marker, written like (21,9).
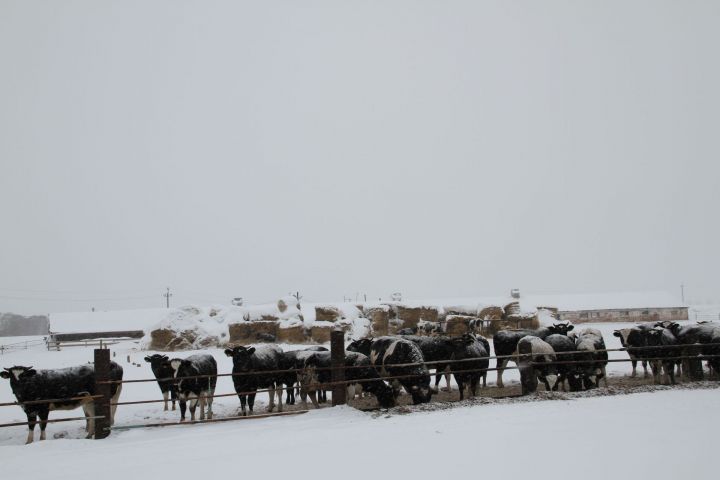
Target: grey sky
(333,147)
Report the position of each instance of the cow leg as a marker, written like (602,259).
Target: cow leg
(461,387)
(193,405)
(174,397)
(201,403)
(670,372)
(634,368)
(271,395)
(183,407)
(303,397)
(31,417)
(279,392)
(603,371)
(474,386)
(209,403)
(501,364)
(313,399)
(89,411)
(113,407)
(43,414)
(251,402)
(644,364)
(166,394)
(243,399)
(656,370)
(447,380)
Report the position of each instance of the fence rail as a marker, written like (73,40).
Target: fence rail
(337,382)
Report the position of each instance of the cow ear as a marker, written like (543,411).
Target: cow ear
(228,352)
(570,327)
(250,350)
(147,359)
(5,374)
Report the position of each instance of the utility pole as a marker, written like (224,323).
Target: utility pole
(682,292)
(167,296)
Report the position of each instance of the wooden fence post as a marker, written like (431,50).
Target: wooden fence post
(337,362)
(102,404)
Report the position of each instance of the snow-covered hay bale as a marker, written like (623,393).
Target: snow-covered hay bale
(379,316)
(191,327)
(491,312)
(410,316)
(457,324)
(466,310)
(321,333)
(291,334)
(250,332)
(327,313)
(160,338)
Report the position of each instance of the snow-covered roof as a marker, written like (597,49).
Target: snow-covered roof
(113,321)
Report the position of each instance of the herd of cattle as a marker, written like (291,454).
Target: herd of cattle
(556,356)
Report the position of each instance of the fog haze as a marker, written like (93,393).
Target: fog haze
(334,148)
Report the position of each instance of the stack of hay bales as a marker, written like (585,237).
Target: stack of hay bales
(409,317)
(289,332)
(515,318)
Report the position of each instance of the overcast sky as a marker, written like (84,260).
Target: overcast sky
(228,148)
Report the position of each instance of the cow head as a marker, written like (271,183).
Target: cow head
(160,364)
(421,393)
(242,357)
(185,386)
(364,345)
(561,328)
(308,376)
(18,373)
(385,396)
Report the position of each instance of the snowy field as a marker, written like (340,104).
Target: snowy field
(597,436)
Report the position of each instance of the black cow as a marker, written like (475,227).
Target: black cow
(505,343)
(564,348)
(255,368)
(292,361)
(195,390)
(591,351)
(316,374)
(536,361)
(622,334)
(29,385)
(164,373)
(388,352)
(473,360)
(663,358)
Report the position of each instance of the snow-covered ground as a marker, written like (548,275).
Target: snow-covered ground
(597,436)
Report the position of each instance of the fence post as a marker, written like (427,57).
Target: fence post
(337,362)
(102,404)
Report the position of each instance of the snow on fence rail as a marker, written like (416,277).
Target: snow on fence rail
(337,384)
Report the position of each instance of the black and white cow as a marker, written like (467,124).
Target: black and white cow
(536,361)
(30,385)
(473,360)
(195,390)
(164,373)
(564,348)
(388,353)
(695,340)
(315,374)
(435,349)
(591,351)
(292,361)
(505,343)
(622,334)
(255,368)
